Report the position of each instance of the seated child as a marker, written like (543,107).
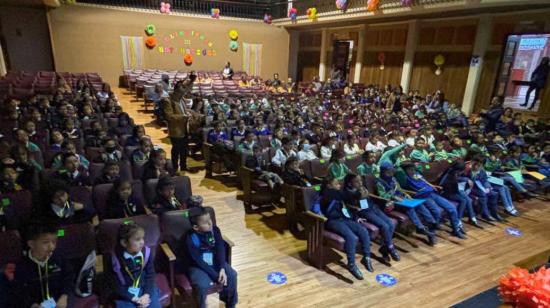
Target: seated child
(132,270)
(260,166)
(440,152)
(109,174)
(203,252)
(487,196)
(9,182)
(343,222)
(337,168)
(141,155)
(357,195)
(41,277)
(293,175)
(71,173)
(434,201)
(121,202)
(420,153)
(166,199)
(110,151)
(387,187)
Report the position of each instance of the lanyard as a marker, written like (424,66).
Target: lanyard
(135,282)
(47,288)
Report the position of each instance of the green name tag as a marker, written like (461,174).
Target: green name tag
(427,167)
(127,222)
(322,161)
(6,201)
(349,157)
(185,214)
(450,161)
(60,232)
(317,187)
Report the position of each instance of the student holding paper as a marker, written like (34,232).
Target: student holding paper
(493,164)
(355,194)
(483,190)
(388,188)
(455,186)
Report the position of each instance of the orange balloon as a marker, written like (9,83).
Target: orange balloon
(151,42)
(188,59)
(372,5)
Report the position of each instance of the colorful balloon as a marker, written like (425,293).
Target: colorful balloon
(165,7)
(215,13)
(342,4)
(311,13)
(233,46)
(188,59)
(268,19)
(293,14)
(406,2)
(151,42)
(372,5)
(233,35)
(439,60)
(150,29)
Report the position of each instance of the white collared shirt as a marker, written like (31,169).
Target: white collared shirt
(40,263)
(138,255)
(61,212)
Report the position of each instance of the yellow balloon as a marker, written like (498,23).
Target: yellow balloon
(439,60)
(233,34)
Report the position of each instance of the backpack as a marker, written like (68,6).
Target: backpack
(84,281)
(116,264)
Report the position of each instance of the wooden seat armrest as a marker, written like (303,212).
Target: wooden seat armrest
(315,216)
(168,252)
(228,241)
(409,192)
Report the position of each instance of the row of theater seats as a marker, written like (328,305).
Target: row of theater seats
(162,235)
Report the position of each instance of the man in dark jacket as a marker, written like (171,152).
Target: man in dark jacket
(538,81)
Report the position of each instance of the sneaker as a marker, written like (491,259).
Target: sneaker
(354,270)
(431,239)
(474,223)
(513,212)
(366,261)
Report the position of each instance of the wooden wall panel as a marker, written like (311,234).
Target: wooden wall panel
(487,80)
(308,65)
(371,73)
(400,37)
(465,35)
(426,36)
(444,35)
(452,81)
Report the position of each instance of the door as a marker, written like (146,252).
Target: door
(340,59)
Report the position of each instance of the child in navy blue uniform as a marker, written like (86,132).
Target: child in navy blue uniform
(166,199)
(132,271)
(41,278)
(122,202)
(204,251)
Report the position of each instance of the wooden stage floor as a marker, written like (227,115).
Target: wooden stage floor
(427,276)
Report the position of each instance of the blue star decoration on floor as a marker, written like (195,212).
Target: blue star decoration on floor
(386,280)
(513,232)
(276,278)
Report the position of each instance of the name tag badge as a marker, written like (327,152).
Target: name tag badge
(364,204)
(308,184)
(462,186)
(208,258)
(134,291)
(50,303)
(346,212)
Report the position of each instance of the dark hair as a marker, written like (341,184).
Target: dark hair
(349,177)
(135,129)
(65,156)
(194,219)
(110,163)
(164,182)
(36,229)
(127,230)
(336,154)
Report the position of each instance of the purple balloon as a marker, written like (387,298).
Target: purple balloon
(406,2)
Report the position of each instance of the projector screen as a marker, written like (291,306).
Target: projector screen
(516,80)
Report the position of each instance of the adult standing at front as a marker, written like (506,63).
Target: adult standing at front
(538,81)
(177,117)
(492,117)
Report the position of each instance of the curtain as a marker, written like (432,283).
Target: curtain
(252,59)
(132,52)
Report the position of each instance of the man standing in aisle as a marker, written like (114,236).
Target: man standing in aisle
(177,116)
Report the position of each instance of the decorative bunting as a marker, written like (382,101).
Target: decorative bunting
(311,13)
(215,13)
(372,5)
